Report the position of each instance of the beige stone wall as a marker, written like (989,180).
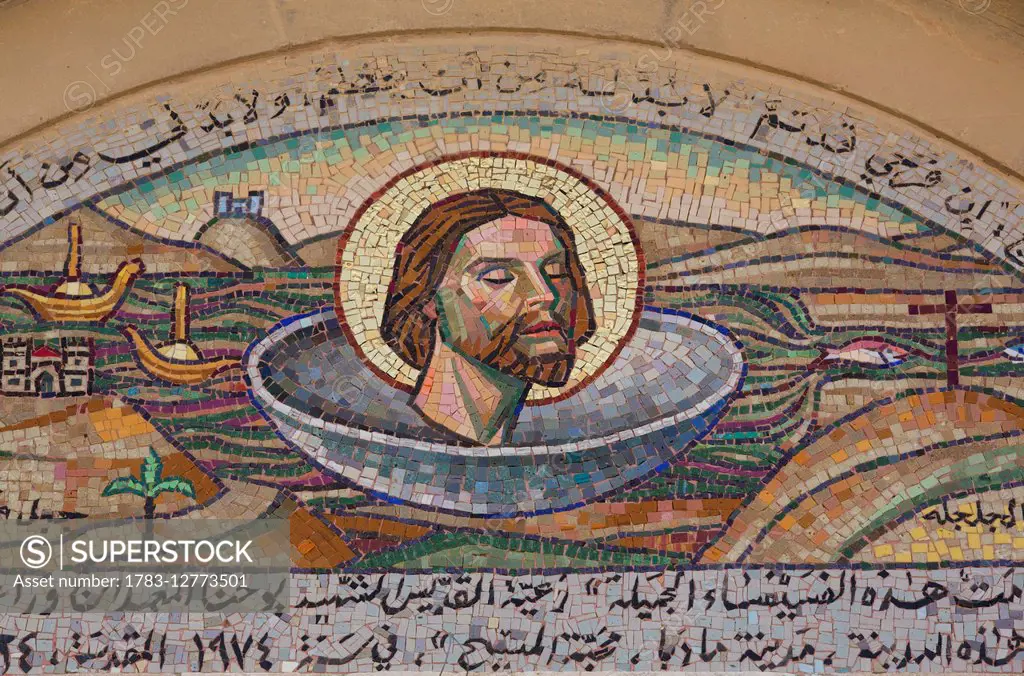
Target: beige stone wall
(953,67)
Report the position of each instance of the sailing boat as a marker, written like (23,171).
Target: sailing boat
(73,299)
(178,360)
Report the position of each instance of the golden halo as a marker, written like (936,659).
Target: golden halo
(605,242)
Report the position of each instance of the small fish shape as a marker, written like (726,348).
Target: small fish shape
(870,353)
(1015,353)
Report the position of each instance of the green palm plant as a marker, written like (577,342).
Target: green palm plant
(150,484)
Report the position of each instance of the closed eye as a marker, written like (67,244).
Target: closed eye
(496,277)
(556,270)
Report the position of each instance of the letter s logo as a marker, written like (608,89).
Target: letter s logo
(36,551)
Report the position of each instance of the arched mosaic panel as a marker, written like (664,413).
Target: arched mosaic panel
(575,356)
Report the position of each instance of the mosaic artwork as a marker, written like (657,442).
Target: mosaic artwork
(574,358)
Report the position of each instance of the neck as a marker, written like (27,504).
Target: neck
(467,397)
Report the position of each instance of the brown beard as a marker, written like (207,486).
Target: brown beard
(503,354)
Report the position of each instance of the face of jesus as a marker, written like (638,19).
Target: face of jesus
(505,300)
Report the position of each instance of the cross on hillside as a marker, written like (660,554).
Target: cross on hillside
(951,308)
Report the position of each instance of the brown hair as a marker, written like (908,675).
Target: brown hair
(426,249)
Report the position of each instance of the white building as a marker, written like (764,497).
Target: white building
(30,370)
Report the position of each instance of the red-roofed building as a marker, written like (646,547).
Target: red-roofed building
(44,370)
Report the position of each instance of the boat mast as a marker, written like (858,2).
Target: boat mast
(73,264)
(179,332)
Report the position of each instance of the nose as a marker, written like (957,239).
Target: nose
(537,292)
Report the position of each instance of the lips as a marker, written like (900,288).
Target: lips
(542,328)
